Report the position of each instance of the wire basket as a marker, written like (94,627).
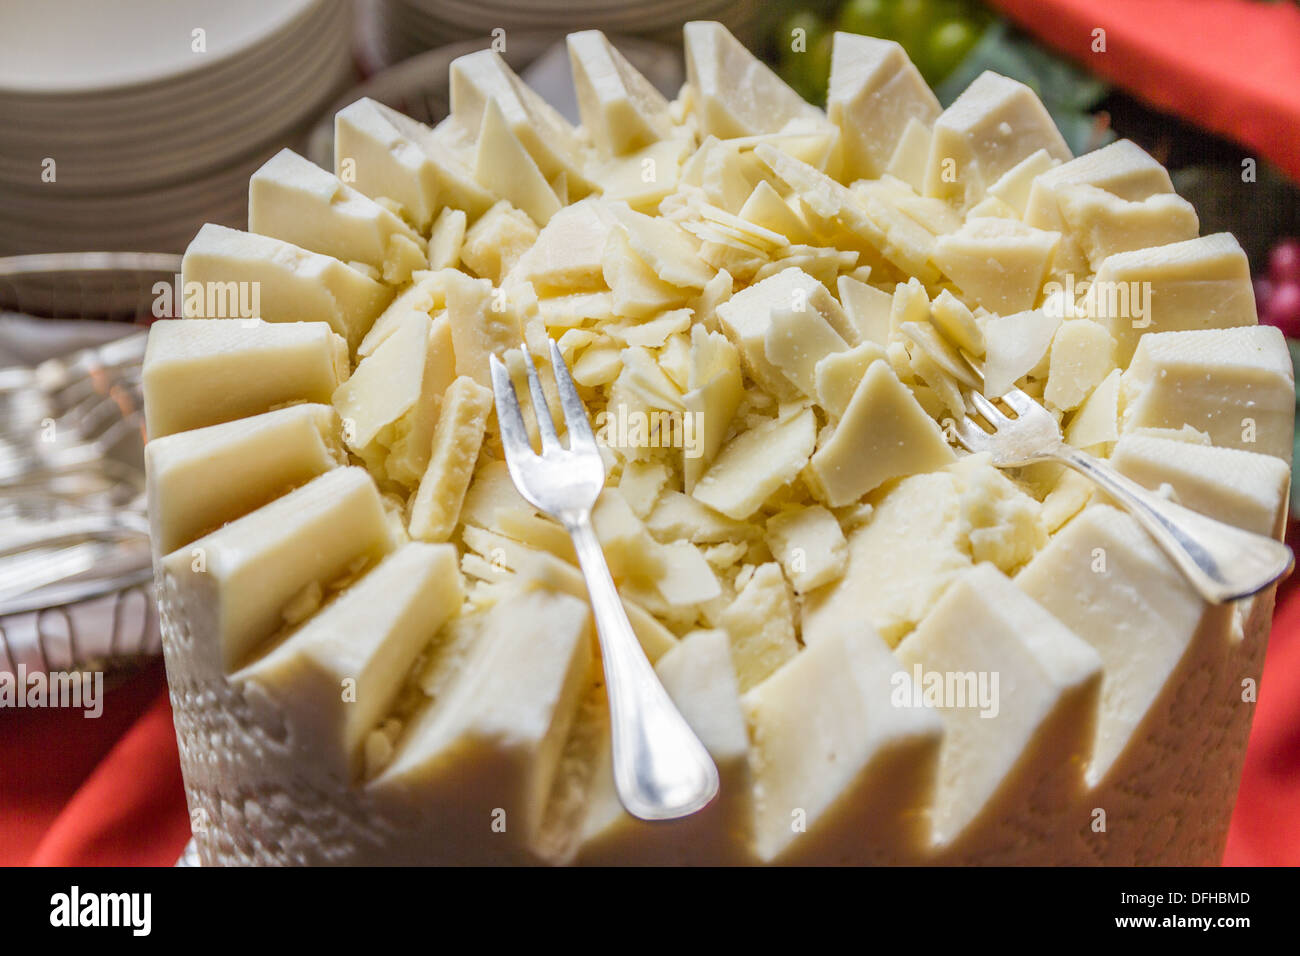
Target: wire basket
(103,617)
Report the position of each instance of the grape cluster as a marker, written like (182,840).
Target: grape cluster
(937,35)
(1277,295)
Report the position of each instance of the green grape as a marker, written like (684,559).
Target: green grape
(911,21)
(868,17)
(948,46)
(813,27)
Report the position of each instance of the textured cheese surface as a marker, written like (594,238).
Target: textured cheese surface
(380,653)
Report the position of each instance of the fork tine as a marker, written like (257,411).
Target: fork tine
(514,435)
(992,414)
(969,434)
(575,413)
(541,410)
(1020,402)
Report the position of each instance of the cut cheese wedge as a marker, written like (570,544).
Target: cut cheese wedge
(875,94)
(991,127)
(337,676)
(838,770)
(809,544)
(293,199)
(1083,354)
(1018,693)
(204,371)
(1198,284)
(386,384)
(1104,225)
(504,166)
(199,480)
(1243,488)
(998,263)
(760,626)
(568,254)
(1236,385)
(235,584)
(1015,345)
(621,110)
(1122,168)
(494,245)
(385,154)
(487,751)
(288,284)
(482,325)
(756,463)
(435,509)
(736,93)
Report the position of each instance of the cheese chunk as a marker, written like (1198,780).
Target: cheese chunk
(447,238)
(384,154)
(480,326)
(1236,385)
(665,247)
(1103,224)
(551,142)
(760,626)
(699,678)
(642,179)
(504,167)
(1015,345)
(204,371)
(796,342)
(868,308)
(1122,168)
(621,110)
(426,295)
(956,323)
(833,756)
(998,746)
(1243,488)
(1198,284)
(386,384)
(489,747)
(1107,580)
(199,480)
(1096,423)
(369,636)
(498,241)
(288,284)
(568,254)
(293,199)
(998,263)
(1083,353)
(733,92)
(875,93)
(236,583)
(809,544)
(991,127)
(1015,185)
(435,509)
(883,434)
(638,291)
(838,374)
(756,463)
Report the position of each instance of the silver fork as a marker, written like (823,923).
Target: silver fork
(1222,562)
(661,770)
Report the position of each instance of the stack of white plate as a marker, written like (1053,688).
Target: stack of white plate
(407,27)
(126,125)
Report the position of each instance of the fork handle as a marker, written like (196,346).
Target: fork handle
(661,769)
(1222,562)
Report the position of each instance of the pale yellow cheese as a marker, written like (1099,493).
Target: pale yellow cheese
(204,371)
(567,256)
(760,626)
(498,241)
(482,324)
(1015,345)
(199,480)
(435,509)
(621,110)
(1097,420)
(386,384)
(1000,264)
(1015,185)
(503,166)
(1083,353)
(1103,224)
(447,238)
(868,308)
(1121,168)
(638,291)
(809,544)
(756,463)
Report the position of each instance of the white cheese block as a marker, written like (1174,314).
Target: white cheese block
(337,676)
(1013,748)
(665,247)
(796,342)
(1236,385)
(447,238)
(1096,423)
(435,509)
(1243,488)
(386,384)
(991,127)
(838,769)
(373,153)
(199,480)
(553,145)
(1103,224)
(288,284)
(426,295)
(911,154)
(495,244)
(236,582)
(621,110)
(482,324)
(1198,284)
(756,463)
(567,256)
(204,371)
(875,92)
(489,749)
(838,374)
(760,626)
(998,263)
(1015,185)
(733,92)
(699,678)
(1083,353)
(868,308)
(1121,168)
(638,291)
(883,434)
(1107,581)
(504,167)
(809,544)
(293,199)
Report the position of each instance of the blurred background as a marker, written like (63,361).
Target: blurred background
(124,126)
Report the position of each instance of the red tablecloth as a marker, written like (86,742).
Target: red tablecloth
(1231,66)
(108,791)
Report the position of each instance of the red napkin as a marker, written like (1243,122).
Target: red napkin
(1231,66)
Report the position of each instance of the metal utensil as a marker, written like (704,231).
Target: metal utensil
(661,770)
